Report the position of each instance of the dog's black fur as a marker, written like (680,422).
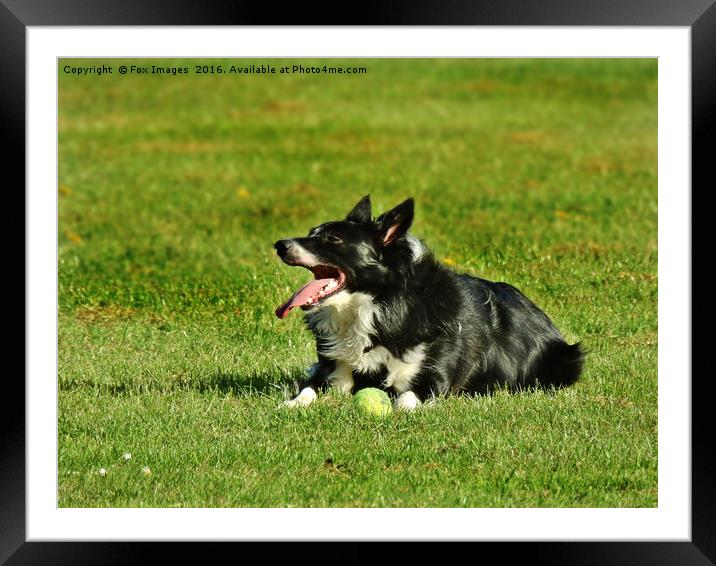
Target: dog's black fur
(473,335)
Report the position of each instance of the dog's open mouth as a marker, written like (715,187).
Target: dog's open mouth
(328,281)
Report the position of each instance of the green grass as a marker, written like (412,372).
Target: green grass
(172,190)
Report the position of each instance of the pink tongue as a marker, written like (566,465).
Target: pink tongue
(302,296)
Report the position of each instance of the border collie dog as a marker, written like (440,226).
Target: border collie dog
(387,314)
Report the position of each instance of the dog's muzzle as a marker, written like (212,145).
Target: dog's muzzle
(283,247)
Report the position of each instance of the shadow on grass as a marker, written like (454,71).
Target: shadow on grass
(259,383)
(226,383)
(248,384)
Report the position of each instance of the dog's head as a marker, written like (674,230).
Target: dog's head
(356,254)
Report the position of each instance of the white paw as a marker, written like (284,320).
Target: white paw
(303,399)
(407,401)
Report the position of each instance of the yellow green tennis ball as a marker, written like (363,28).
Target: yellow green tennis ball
(373,401)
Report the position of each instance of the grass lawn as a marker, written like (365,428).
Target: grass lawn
(172,189)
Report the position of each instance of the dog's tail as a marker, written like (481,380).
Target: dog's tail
(562,364)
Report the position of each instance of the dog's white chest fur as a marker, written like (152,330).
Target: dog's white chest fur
(345,325)
(401,371)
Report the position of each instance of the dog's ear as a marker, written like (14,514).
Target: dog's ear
(361,212)
(395,223)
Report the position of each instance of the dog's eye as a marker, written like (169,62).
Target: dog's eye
(332,238)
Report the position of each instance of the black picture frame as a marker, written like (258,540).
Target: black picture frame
(698,15)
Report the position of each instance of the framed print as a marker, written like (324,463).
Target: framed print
(167,392)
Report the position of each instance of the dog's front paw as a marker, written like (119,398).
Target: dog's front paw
(303,399)
(407,401)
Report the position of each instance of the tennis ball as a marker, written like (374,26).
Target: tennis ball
(373,401)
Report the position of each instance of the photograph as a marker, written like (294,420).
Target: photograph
(357,283)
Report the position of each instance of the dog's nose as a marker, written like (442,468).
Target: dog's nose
(282,246)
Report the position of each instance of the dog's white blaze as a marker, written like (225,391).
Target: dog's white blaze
(342,378)
(401,371)
(303,399)
(407,401)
